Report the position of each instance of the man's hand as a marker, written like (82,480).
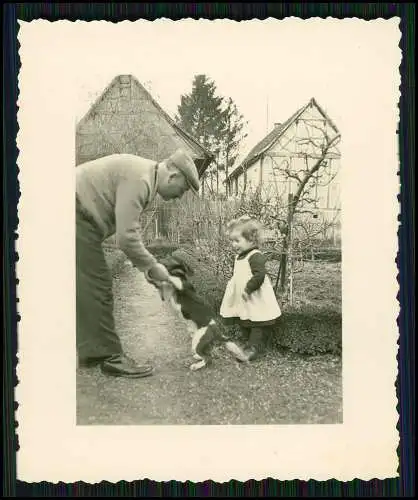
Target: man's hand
(158,272)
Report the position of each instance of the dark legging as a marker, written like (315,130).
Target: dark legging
(96,336)
(255,336)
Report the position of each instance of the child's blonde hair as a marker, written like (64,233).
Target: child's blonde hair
(250,228)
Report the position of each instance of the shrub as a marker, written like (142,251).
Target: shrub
(309,331)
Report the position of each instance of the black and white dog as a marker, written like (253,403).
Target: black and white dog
(191,308)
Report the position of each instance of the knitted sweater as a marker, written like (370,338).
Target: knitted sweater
(257,264)
(113,192)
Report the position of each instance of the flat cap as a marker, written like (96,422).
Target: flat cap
(186,166)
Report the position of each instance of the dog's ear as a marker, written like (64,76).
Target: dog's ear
(185,267)
(181,257)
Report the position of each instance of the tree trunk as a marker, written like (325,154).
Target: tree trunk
(283,264)
(286,244)
(244,189)
(226,175)
(290,265)
(276,286)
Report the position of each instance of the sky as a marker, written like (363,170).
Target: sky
(269,68)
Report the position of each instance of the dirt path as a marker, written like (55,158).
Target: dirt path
(280,389)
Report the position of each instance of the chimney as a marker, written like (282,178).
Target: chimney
(125,79)
(277,125)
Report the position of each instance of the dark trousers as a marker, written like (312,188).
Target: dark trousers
(255,337)
(96,336)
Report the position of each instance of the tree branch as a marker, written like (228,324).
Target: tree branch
(292,175)
(313,170)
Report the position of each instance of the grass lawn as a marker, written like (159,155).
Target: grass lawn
(316,284)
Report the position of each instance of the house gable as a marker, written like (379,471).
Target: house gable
(303,135)
(280,138)
(126,119)
(288,150)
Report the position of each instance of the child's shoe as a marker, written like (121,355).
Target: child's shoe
(251,353)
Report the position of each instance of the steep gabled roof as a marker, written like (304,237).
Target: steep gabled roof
(206,155)
(272,137)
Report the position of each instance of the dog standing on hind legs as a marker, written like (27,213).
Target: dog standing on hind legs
(199,317)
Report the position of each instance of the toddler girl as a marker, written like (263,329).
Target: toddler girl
(249,298)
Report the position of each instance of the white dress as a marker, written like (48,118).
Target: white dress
(262,303)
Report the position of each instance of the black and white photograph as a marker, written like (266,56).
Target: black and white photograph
(220,216)
(193,255)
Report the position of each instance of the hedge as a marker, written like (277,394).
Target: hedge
(308,331)
(324,254)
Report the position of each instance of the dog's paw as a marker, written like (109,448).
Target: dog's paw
(239,354)
(198,365)
(197,357)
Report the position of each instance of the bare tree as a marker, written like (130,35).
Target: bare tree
(314,148)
